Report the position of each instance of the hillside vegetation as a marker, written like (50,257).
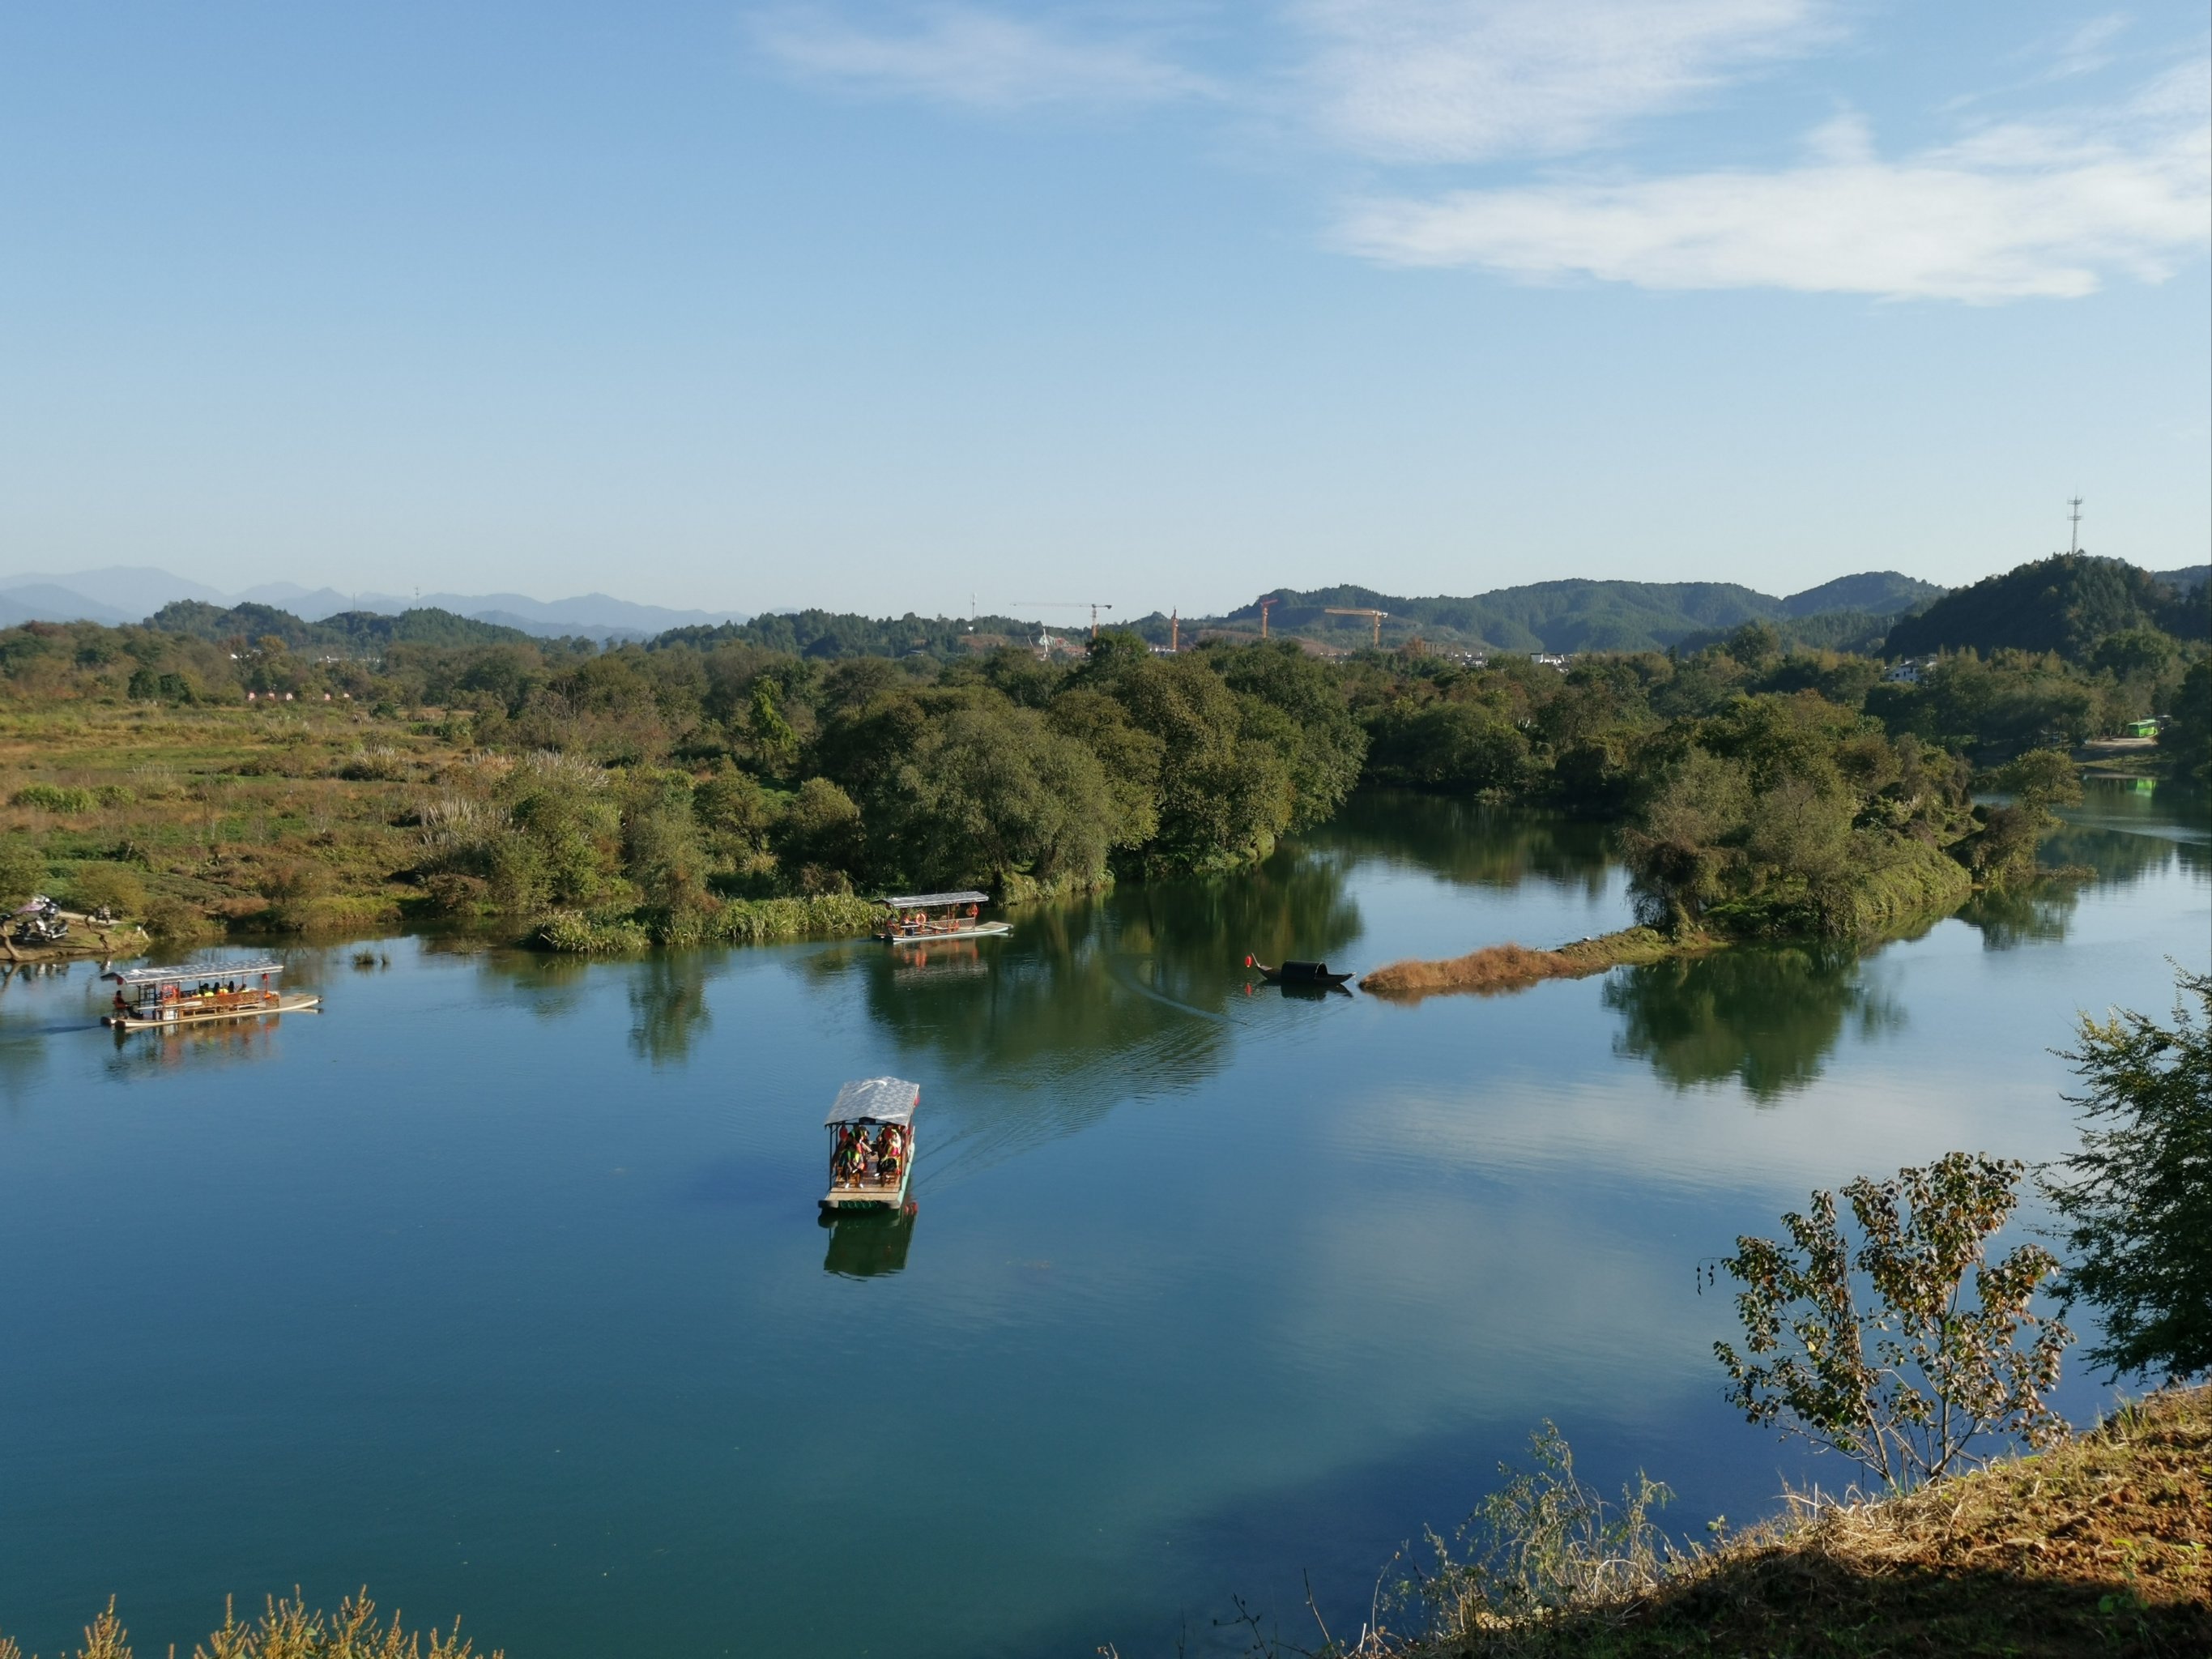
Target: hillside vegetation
(366,769)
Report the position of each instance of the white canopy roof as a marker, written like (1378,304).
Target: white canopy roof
(876,1100)
(199,970)
(925,900)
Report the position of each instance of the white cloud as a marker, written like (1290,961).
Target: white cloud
(2083,52)
(1467,80)
(2026,209)
(961,55)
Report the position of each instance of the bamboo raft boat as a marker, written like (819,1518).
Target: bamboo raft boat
(871,1171)
(199,994)
(909,918)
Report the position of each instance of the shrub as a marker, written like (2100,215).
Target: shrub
(172,918)
(1902,1387)
(54,798)
(381,764)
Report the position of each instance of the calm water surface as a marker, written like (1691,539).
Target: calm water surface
(499,1285)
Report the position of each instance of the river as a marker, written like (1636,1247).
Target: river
(498,1286)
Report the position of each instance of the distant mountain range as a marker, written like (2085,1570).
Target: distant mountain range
(1851,612)
(122,593)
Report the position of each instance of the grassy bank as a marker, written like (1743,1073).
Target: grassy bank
(2101,1545)
(202,820)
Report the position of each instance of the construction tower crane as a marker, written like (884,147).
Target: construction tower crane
(1376,616)
(1270,600)
(1092,606)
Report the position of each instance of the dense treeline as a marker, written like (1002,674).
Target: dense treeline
(1763,785)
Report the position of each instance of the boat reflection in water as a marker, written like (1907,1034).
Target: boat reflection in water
(952,959)
(194,1045)
(868,1243)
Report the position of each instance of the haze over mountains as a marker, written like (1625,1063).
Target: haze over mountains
(122,594)
(1855,612)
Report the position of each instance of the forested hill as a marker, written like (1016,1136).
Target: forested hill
(1576,615)
(348,629)
(2069,603)
(835,634)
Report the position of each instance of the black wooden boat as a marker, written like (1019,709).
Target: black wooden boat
(1297,972)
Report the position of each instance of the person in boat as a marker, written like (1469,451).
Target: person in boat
(887,1155)
(121,1006)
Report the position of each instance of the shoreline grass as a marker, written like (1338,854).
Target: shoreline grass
(2102,1544)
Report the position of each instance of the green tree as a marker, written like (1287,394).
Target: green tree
(1906,1385)
(819,841)
(2137,1197)
(992,792)
(662,851)
(1223,799)
(23,869)
(566,834)
(774,740)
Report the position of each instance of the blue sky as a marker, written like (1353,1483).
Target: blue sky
(881,305)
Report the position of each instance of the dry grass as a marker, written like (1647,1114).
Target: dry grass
(2100,1546)
(286,1630)
(1498,968)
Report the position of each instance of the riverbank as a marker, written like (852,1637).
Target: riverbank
(2101,1544)
(87,941)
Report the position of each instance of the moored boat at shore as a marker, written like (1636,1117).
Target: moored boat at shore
(1315,973)
(198,993)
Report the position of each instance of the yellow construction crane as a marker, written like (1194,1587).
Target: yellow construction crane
(1264,605)
(1376,616)
(1092,606)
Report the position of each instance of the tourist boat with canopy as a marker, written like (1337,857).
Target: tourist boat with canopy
(147,998)
(918,918)
(870,1127)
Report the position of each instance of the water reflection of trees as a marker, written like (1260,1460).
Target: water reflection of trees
(2037,913)
(1468,842)
(2120,835)
(551,986)
(1766,1017)
(668,1007)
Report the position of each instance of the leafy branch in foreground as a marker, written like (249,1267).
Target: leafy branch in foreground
(2138,1194)
(1906,1385)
